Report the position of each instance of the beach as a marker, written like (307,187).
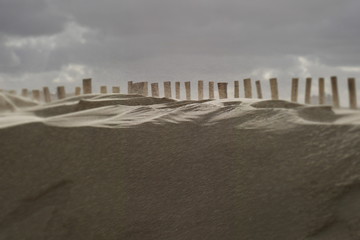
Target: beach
(116,166)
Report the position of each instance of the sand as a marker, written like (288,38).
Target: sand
(128,167)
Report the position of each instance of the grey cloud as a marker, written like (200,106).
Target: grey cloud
(29,18)
(175,40)
(278,27)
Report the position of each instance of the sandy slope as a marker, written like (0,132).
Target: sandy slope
(128,167)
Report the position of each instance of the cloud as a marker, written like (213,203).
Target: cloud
(178,40)
(29,18)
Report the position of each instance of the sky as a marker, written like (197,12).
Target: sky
(60,42)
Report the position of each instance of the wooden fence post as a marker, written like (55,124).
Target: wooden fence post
(321,91)
(222,88)
(77,91)
(211,90)
(294,89)
(335,92)
(61,92)
(247,88)
(130,91)
(352,93)
(140,88)
(308,91)
(47,96)
(258,89)
(155,90)
(236,89)
(103,89)
(36,95)
(24,92)
(167,89)
(274,89)
(200,89)
(146,89)
(115,89)
(177,90)
(188,90)
(87,86)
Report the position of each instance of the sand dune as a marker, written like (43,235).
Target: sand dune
(129,167)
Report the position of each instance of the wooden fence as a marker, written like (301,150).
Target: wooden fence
(142,88)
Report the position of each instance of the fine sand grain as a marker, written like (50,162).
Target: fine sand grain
(128,167)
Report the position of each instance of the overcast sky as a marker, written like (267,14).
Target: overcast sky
(59,42)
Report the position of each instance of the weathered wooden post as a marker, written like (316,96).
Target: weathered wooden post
(211,90)
(321,91)
(258,89)
(87,86)
(236,89)
(247,88)
(146,89)
(188,90)
(115,89)
(177,90)
(140,88)
(200,89)
(47,96)
(308,91)
(155,90)
(274,89)
(335,92)
(36,95)
(294,89)
(77,91)
(61,92)
(222,88)
(167,89)
(103,89)
(24,92)
(352,93)
(130,83)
